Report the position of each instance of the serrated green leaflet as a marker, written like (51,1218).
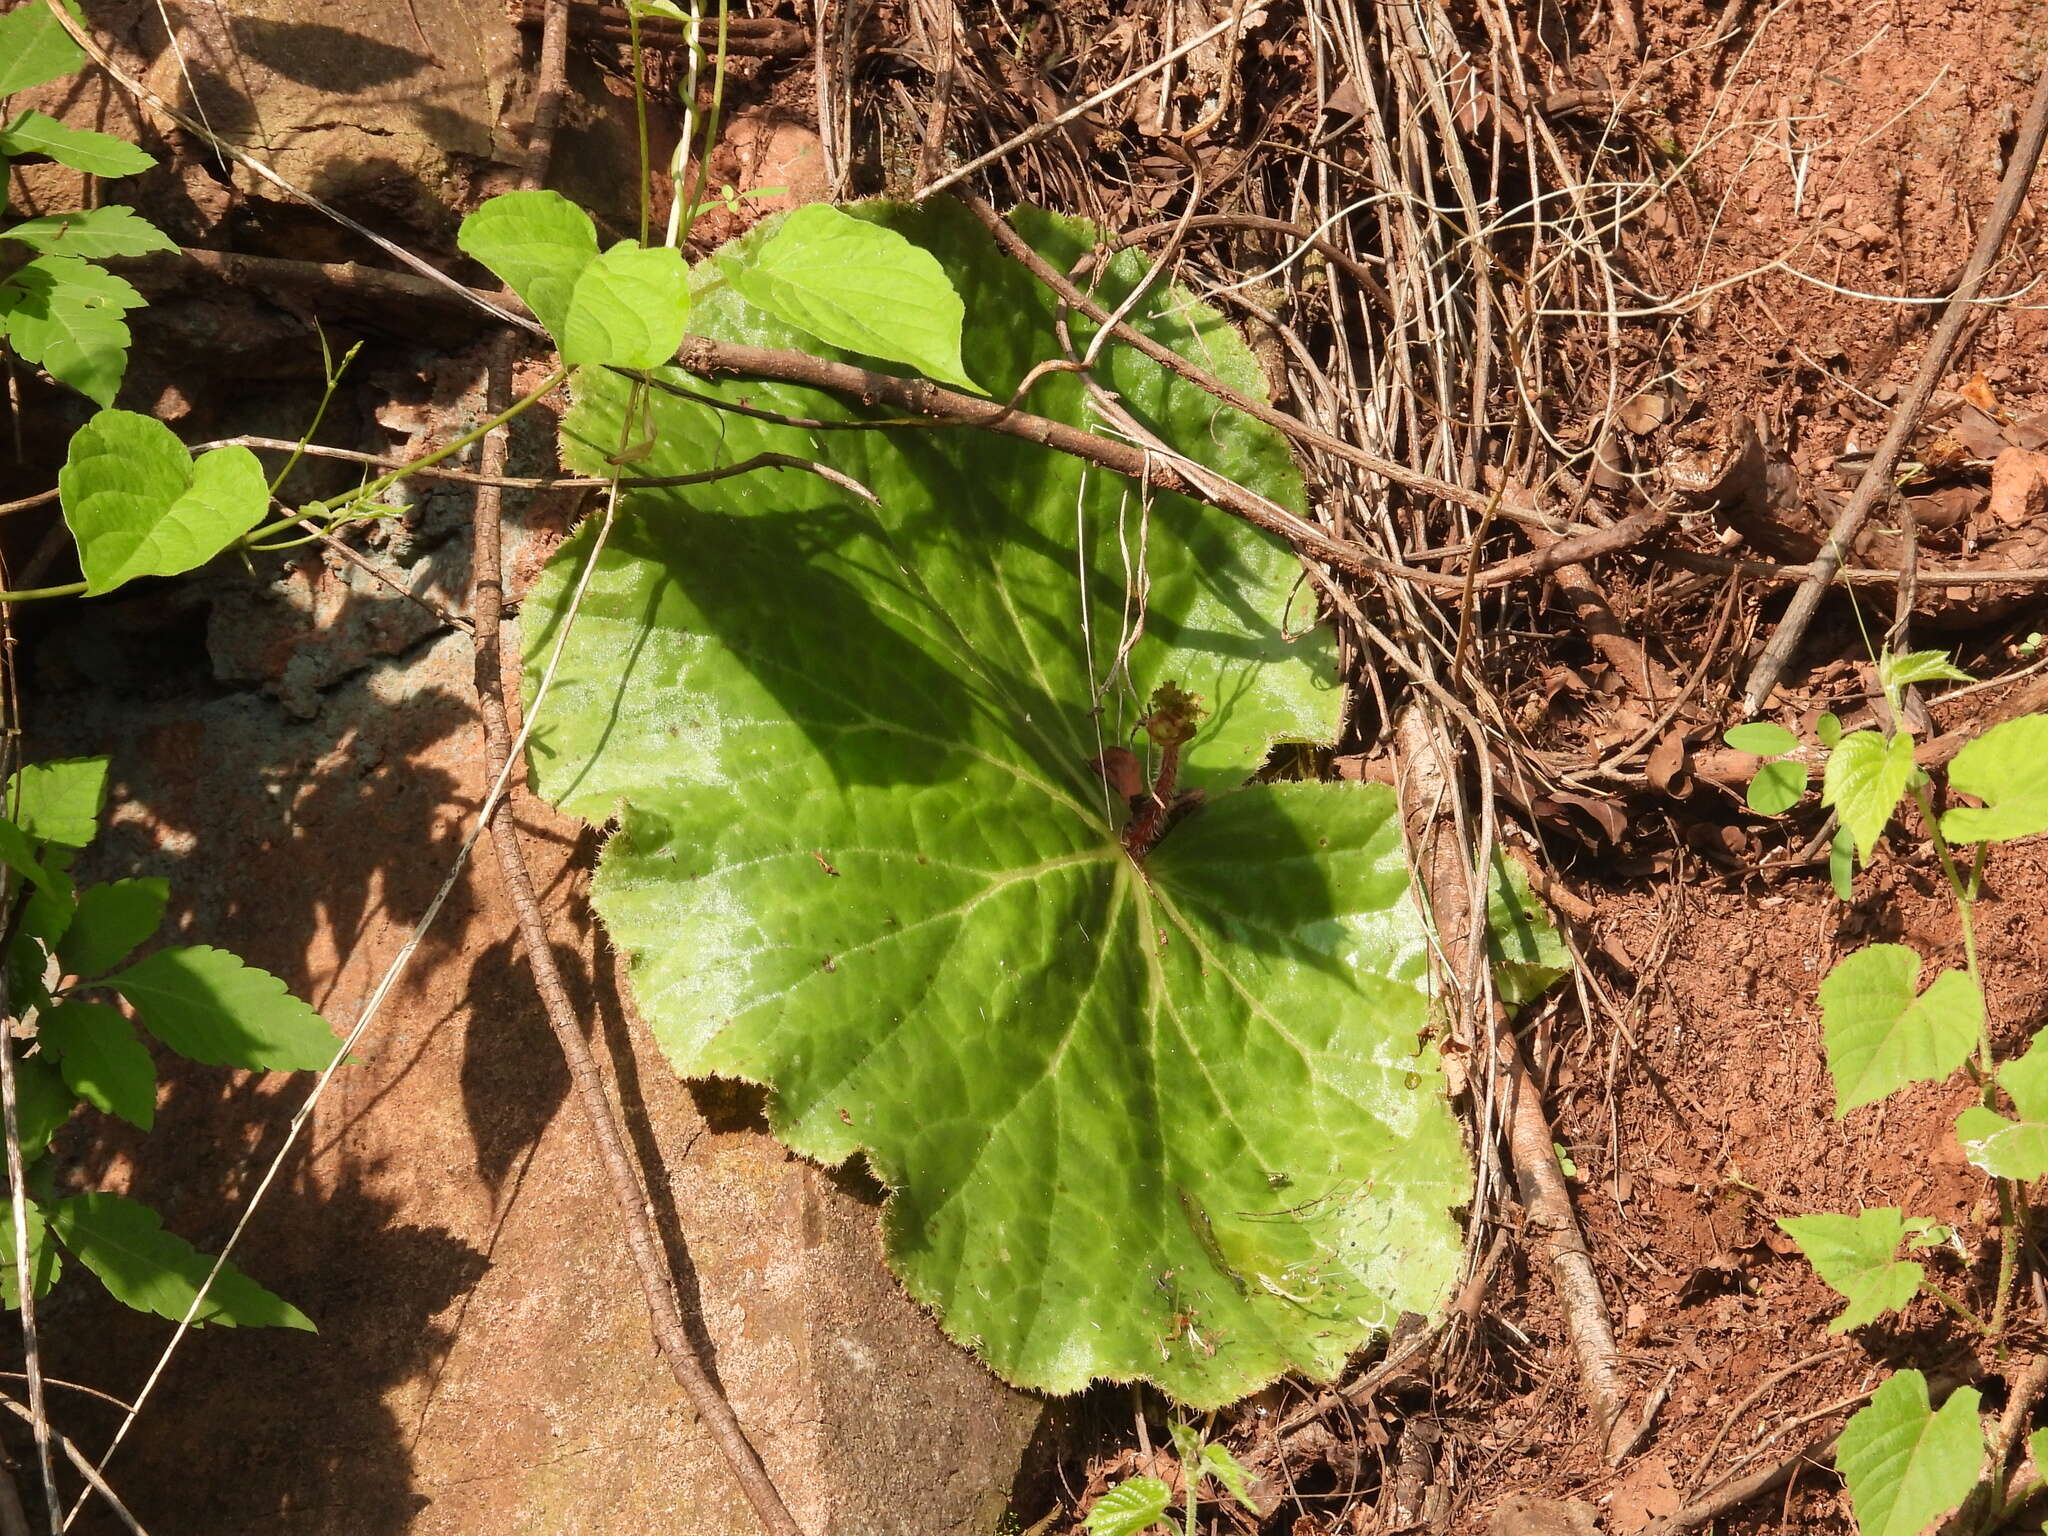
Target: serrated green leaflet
(42,1104)
(101,1060)
(34,48)
(45,1263)
(1858,1256)
(59,802)
(65,315)
(2006,768)
(853,282)
(1880,1037)
(109,921)
(151,1270)
(1906,1465)
(2016,1148)
(139,505)
(1172,1123)
(1864,779)
(91,232)
(206,1005)
(97,154)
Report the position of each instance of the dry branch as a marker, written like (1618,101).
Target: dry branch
(1444,871)
(1877,477)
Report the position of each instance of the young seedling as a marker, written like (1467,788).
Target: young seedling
(1139,1504)
(1906,1463)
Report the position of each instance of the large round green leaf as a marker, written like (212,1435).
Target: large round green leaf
(1175,1120)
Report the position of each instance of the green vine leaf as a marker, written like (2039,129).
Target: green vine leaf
(1132,1507)
(1880,1037)
(1865,777)
(45,1262)
(35,49)
(1763,738)
(101,1060)
(1171,1121)
(91,232)
(854,283)
(42,1103)
(628,309)
(538,243)
(124,1243)
(60,802)
(109,921)
(140,505)
(2012,1149)
(207,1005)
(1907,1465)
(97,154)
(1858,1257)
(1776,788)
(64,315)
(2003,769)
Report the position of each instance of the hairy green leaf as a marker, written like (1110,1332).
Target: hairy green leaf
(1827,730)
(854,283)
(1762,738)
(64,315)
(125,1244)
(1880,1037)
(109,921)
(1217,1462)
(91,233)
(34,48)
(1906,1465)
(2006,768)
(97,154)
(1527,952)
(628,309)
(2016,1148)
(539,243)
(101,1060)
(140,505)
(207,1005)
(1864,779)
(1858,1256)
(1776,788)
(45,1262)
(1896,672)
(1131,1508)
(1172,1122)
(60,802)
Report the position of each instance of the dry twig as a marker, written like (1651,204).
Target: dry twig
(1877,476)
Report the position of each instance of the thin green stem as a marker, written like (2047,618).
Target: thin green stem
(34,594)
(701,180)
(2011,1235)
(1966,903)
(383,483)
(1940,1294)
(640,119)
(320,411)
